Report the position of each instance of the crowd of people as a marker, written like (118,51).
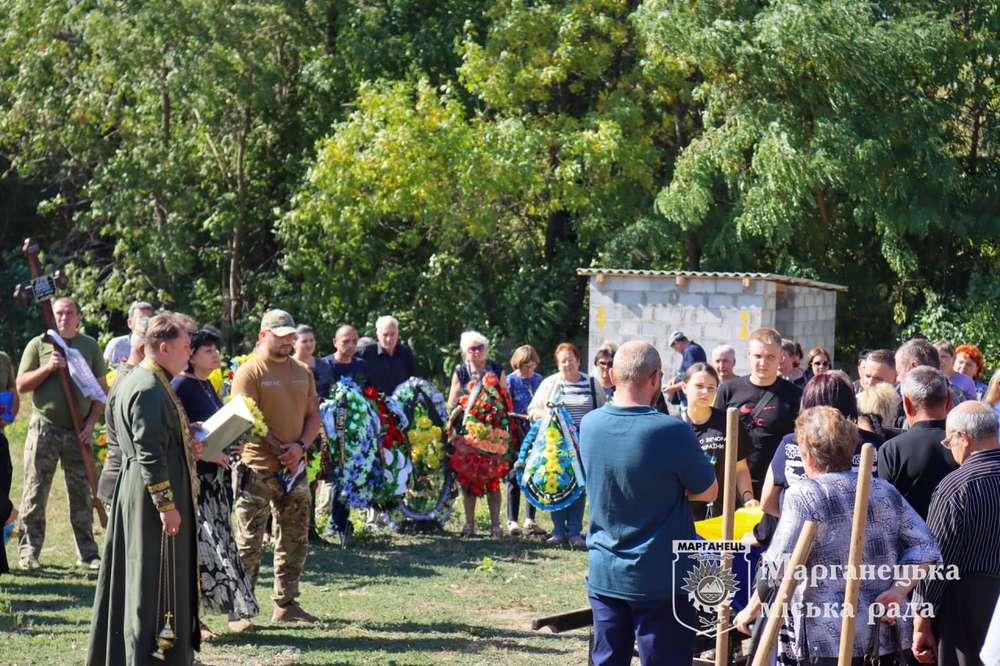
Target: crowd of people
(652,448)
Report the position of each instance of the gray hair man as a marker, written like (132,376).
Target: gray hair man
(390,363)
(963,517)
(724,362)
(118,349)
(113,460)
(915,462)
(912,354)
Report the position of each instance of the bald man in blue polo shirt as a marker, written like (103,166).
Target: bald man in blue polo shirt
(643,469)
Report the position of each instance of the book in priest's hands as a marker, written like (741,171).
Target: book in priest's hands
(224,427)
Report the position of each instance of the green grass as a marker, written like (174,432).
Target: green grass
(390,599)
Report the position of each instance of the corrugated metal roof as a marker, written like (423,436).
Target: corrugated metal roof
(769,277)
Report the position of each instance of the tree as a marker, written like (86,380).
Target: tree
(166,134)
(545,157)
(827,146)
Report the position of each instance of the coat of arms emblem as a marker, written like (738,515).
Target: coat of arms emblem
(704,578)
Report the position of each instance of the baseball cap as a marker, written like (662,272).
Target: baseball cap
(278,322)
(677,336)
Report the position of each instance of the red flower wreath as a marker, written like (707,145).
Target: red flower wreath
(479,470)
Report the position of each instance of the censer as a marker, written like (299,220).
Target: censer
(166,603)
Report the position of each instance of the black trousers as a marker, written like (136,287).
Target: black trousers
(964,617)
(514,501)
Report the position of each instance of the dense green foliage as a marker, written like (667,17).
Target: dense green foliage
(454,163)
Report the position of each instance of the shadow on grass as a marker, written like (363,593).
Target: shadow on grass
(417,557)
(418,637)
(32,592)
(46,624)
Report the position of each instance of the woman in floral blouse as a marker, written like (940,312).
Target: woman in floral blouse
(894,535)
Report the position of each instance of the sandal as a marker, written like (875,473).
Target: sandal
(207,634)
(467,531)
(513,529)
(532,529)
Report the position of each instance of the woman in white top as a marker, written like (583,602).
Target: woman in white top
(580,394)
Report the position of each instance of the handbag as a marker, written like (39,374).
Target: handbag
(871,657)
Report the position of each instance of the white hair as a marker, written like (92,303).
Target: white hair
(977,420)
(925,387)
(384,321)
(138,305)
(138,337)
(725,350)
(471,339)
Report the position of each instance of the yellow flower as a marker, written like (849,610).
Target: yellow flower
(216,379)
(259,429)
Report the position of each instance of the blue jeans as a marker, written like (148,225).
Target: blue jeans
(620,625)
(568,522)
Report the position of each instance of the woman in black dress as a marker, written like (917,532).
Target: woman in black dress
(225,587)
(7,512)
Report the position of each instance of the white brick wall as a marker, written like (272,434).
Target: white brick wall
(710,312)
(721,301)
(729,286)
(700,286)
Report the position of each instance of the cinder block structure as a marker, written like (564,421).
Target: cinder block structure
(710,308)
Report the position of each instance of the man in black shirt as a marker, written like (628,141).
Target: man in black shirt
(343,362)
(389,362)
(915,462)
(768,405)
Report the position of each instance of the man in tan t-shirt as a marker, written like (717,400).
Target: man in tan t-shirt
(285,391)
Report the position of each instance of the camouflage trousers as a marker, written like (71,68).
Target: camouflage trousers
(46,446)
(258,495)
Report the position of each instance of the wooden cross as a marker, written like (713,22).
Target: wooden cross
(41,289)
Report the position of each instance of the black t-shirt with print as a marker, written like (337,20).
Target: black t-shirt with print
(712,437)
(773,422)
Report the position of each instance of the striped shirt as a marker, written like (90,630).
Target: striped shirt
(964,515)
(578,398)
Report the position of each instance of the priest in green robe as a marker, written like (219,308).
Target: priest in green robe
(149,572)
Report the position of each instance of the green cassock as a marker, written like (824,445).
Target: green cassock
(128,611)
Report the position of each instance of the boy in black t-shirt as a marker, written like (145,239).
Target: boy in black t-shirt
(768,405)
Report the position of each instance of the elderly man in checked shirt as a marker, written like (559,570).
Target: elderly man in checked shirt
(965,518)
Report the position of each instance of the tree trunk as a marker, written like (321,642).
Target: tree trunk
(160,211)
(236,240)
(693,252)
(824,215)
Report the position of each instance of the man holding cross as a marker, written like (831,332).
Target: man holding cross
(52,438)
